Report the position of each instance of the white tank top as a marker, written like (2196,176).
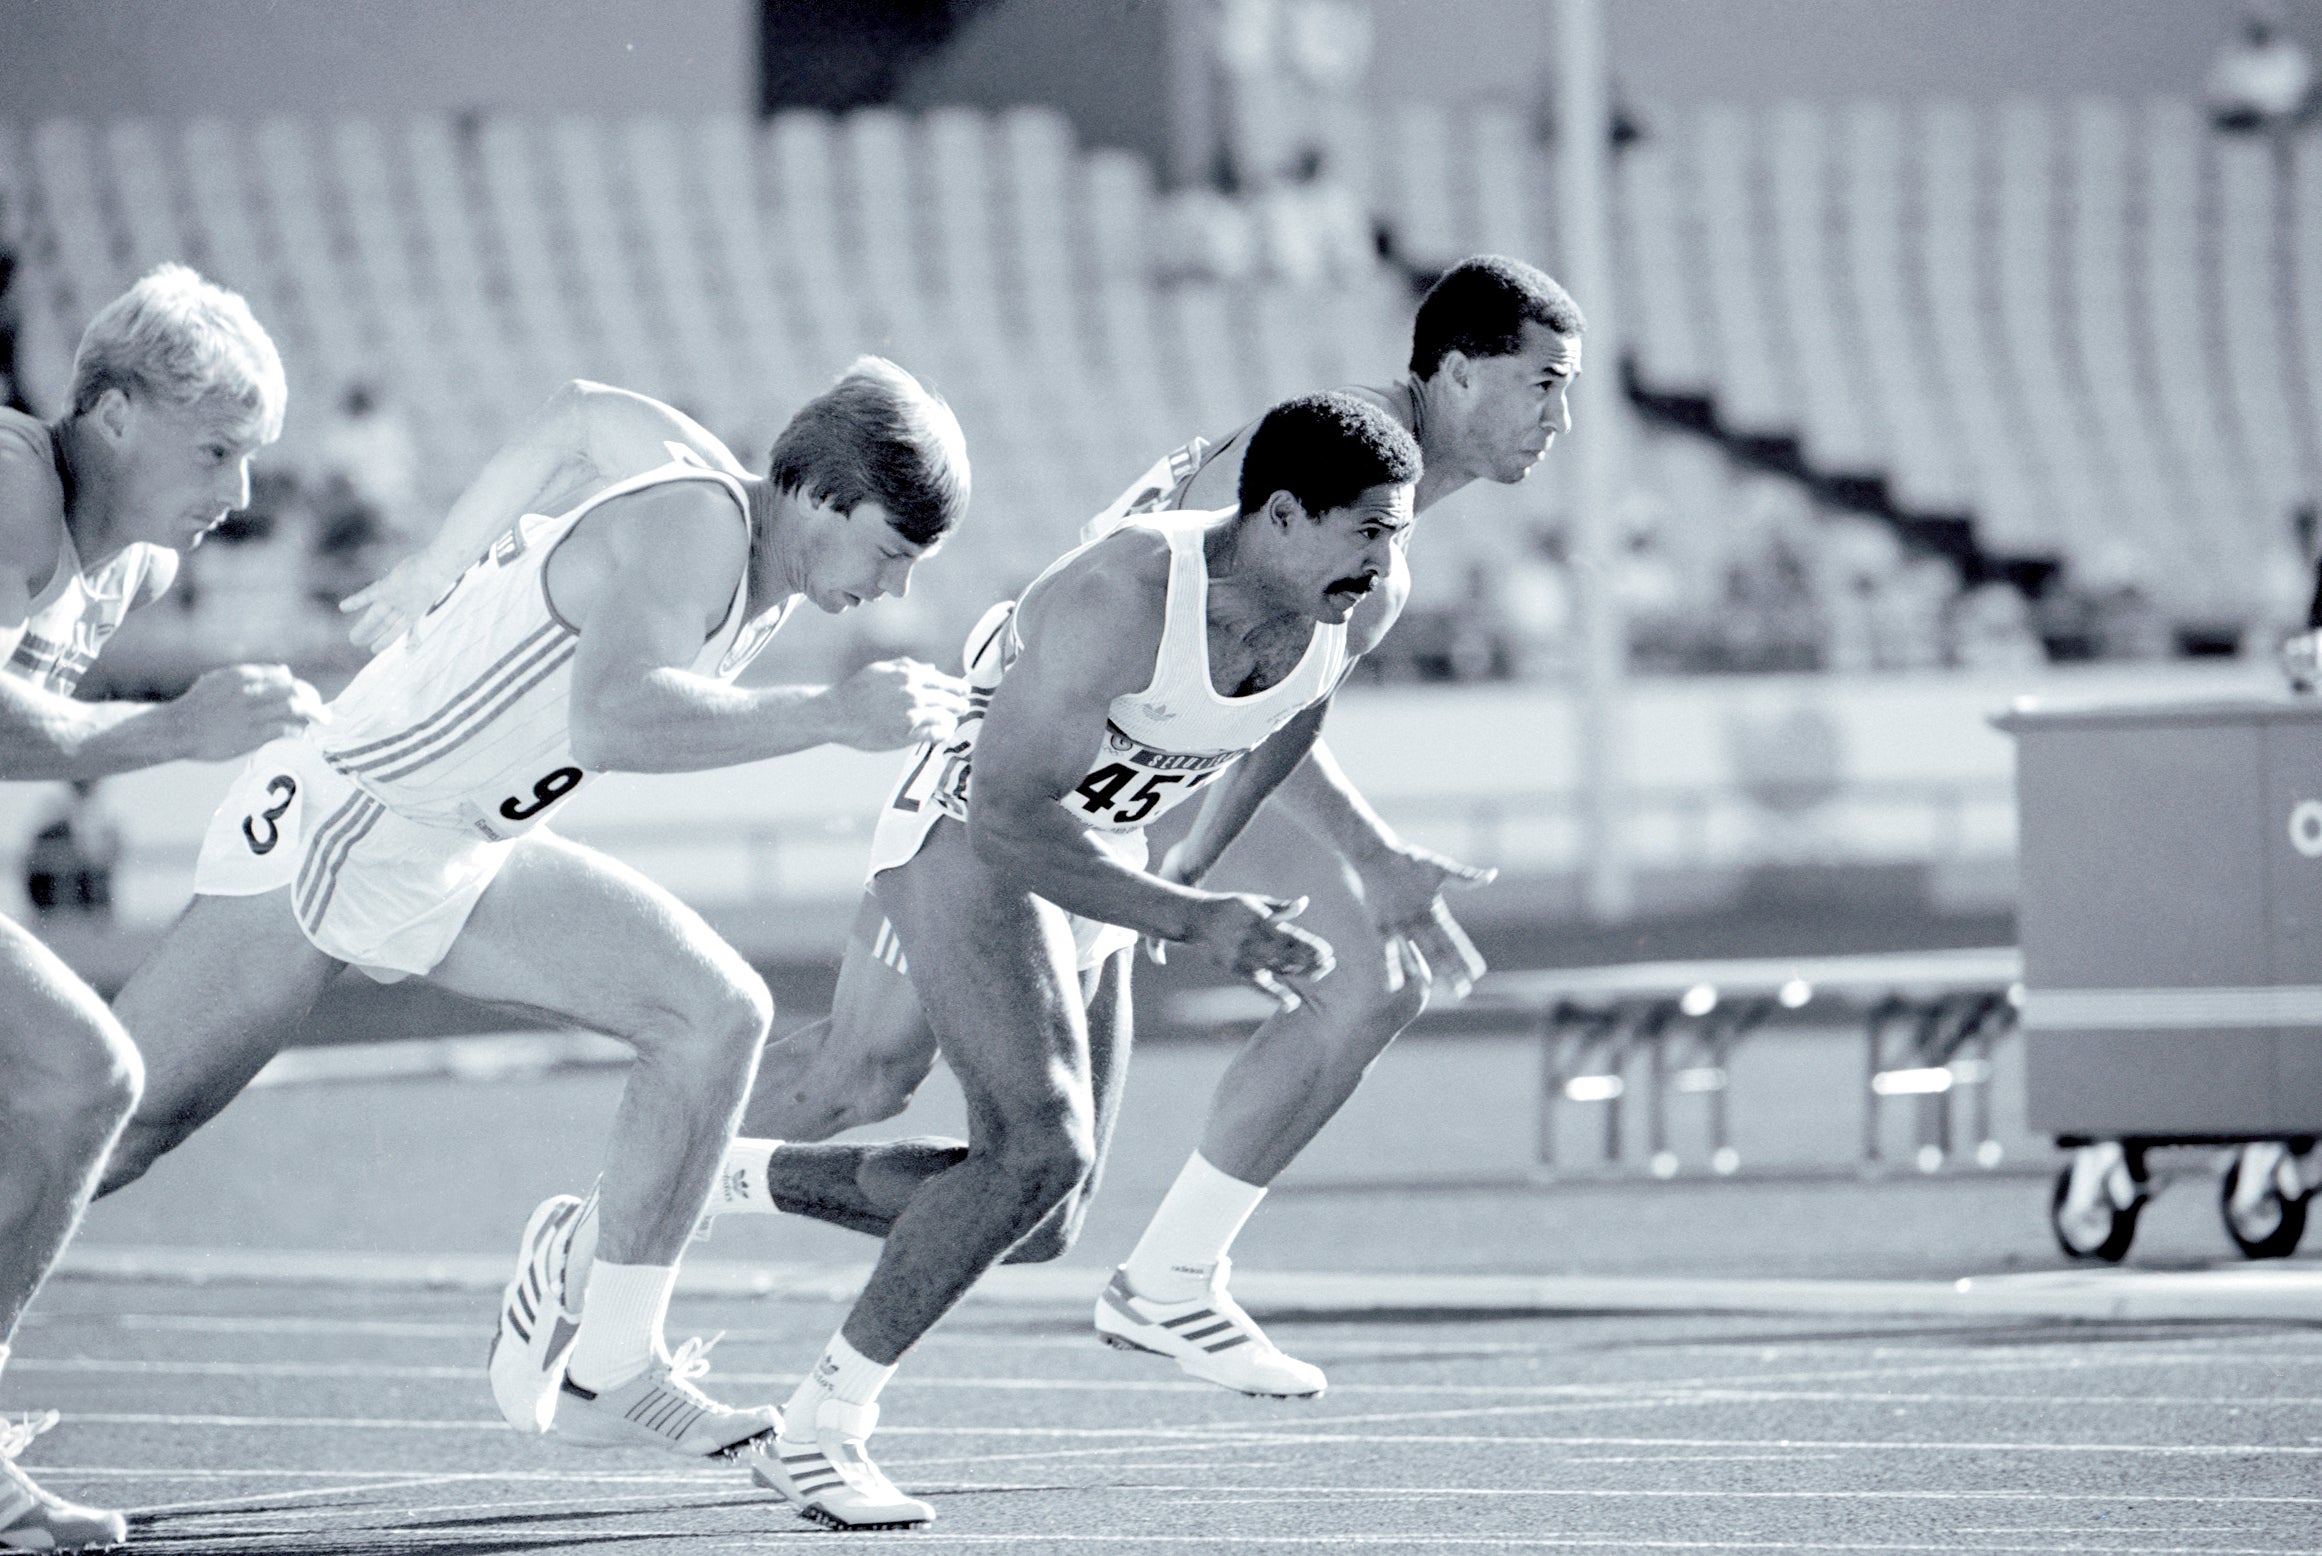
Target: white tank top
(1165,742)
(467,724)
(73,615)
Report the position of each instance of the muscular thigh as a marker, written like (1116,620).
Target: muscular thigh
(993,969)
(217,999)
(53,1029)
(567,933)
(875,1014)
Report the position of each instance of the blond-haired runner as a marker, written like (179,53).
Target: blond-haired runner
(1494,347)
(175,385)
(585,609)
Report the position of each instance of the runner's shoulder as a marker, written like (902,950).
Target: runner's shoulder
(1107,603)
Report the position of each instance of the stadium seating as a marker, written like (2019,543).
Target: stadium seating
(2089,326)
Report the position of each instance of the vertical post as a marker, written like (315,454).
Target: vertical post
(1192,47)
(1584,141)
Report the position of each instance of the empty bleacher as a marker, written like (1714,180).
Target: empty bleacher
(2092,327)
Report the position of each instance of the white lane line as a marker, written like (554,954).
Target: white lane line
(298,1423)
(402,1513)
(1323,1431)
(714,1480)
(560,1477)
(2233,1292)
(927,1539)
(204,1323)
(209,1504)
(1741,1389)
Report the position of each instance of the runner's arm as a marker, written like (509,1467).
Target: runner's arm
(47,736)
(1090,635)
(638,706)
(585,435)
(1244,788)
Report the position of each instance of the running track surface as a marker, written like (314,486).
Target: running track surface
(253,1418)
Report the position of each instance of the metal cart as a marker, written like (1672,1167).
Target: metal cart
(2170,913)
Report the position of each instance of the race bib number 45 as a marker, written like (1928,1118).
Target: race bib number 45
(1131,783)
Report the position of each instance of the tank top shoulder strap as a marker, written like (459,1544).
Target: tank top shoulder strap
(1183,659)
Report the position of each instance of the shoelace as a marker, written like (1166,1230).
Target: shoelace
(690,1361)
(16,1436)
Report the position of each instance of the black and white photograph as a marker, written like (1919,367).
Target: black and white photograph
(1160,776)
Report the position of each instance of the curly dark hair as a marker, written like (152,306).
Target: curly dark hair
(1325,450)
(1480,307)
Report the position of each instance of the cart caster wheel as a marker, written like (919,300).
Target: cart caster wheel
(2268,1223)
(2099,1231)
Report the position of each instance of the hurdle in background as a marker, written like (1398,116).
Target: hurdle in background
(1930,1020)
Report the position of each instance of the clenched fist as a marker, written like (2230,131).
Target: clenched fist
(895,703)
(238,708)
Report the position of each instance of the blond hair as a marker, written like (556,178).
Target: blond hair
(186,341)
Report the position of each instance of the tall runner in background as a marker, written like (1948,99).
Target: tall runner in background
(1494,348)
(594,594)
(175,385)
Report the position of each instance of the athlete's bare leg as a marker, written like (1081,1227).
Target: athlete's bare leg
(863,1187)
(861,1065)
(994,967)
(567,933)
(1301,1065)
(69,1077)
(207,1010)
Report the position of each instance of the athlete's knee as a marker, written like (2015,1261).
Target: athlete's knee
(1363,1019)
(1048,1158)
(85,1088)
(729,1014)
(1053,1238)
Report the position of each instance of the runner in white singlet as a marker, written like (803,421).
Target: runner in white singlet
(1493,349)
(174,386)
(1197,654)
(587,604)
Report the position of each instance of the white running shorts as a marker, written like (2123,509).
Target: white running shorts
(369,887)
(901,833)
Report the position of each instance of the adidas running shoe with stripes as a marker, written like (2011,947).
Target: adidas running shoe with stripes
(538,1320)
(1208,1336)
(829,1476)
(32,1519)
(662,1408)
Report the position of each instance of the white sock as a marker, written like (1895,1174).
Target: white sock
(620,1332)
(1199,1219)
(842,1373)
(742,1187)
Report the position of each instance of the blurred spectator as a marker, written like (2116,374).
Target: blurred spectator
(69,868)
(2263,78)
(1990,628)
(368,446)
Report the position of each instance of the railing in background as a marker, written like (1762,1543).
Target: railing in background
(817,859)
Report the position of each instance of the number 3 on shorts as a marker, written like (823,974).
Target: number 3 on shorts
(284,788)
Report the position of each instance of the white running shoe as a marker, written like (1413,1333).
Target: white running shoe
(829,1476)
(35,1520)
(661,1408)
(539,1319)
(1208,1335)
